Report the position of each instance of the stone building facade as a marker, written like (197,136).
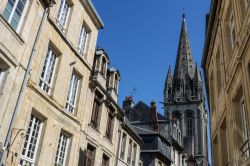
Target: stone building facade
(184,103)
(226,65)
(68,112)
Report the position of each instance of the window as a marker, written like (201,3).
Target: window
(63,14)
(189,126)
(105,160)
(28,155)
(124,139)
(134,154)
(72,92)
(116,83)
(3,73)
(232,30)
(246,3)
(90,156)
(96,111)
(244,124)
(218,73)
(62,150)
(129,151)
(109,128)
(82,43)
(14,12)
(48,71)
(103,67)
(223,139)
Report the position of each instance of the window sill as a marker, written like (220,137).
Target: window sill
(94,129)
(13,31)
(108,140)
(51,101)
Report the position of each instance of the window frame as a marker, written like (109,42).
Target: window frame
(50,52)
(123,146)
(89,160)
(59,149)
(12,12)
(28,138)
(96,111)
(105,160)
(60,14)
(232,26)
(110,123)
(71,107)
(4,70)
(82,45)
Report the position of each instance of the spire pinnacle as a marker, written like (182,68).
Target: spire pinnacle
(184,66)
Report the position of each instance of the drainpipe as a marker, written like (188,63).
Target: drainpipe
(48,4)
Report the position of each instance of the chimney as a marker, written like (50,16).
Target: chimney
(128,103)
(154,117)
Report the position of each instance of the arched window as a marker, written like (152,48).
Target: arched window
(103,66)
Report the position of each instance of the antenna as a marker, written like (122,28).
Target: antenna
(133,91)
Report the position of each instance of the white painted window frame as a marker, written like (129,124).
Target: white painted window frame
(72,93)
(83,40)
(59,149)
(22,15)
(48,59)
(29,135)
(61,12)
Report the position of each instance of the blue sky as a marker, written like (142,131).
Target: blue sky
(141,38)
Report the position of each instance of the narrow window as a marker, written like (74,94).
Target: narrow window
(116,83)
(134,154)
(72,92)
(232,30)
(129,151)
(62,150)
(14,12)
(96,111)
(246,3)
(63,14)
(48,71)
(82,43)
(90,156)
(124,140)
(218,73)
(224,149)
(3,74)
(105,160)
(103,67)
(32,139)
(244,124)
(109,128)
(189,126)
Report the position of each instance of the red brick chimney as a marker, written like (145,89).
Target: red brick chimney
(154,117)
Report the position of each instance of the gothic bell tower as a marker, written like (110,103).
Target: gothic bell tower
(185,102)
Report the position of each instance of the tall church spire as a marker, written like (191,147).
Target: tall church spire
(184,65)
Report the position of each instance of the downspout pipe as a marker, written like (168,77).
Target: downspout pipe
(48,4)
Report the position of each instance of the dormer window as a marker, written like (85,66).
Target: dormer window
(104,66)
